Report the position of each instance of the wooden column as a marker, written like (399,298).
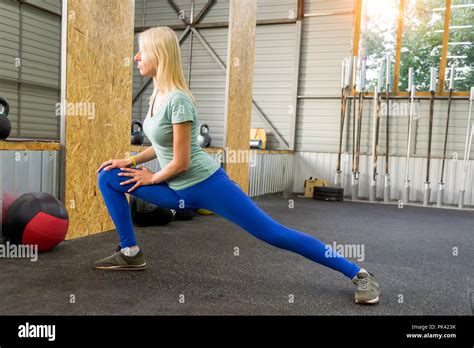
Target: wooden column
(239,83)
(444,49)
(98,104)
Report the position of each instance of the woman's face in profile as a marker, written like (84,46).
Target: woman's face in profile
(144,68)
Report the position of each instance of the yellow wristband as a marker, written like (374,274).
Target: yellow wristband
(134,162)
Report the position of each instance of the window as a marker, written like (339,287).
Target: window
(378,36)
(419,34)
(422,39)
(460,50)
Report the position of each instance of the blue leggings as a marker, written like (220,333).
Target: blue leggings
(223,197)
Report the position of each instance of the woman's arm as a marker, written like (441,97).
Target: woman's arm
(181,153)
(144,156)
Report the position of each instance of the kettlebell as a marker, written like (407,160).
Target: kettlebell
(4,107)
(136,136)
(147,214)
(204,139)
(5,128)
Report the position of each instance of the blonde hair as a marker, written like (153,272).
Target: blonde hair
(159,47)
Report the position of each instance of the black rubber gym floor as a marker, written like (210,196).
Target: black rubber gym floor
(422,257)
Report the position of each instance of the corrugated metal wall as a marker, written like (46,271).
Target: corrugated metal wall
(325,42)
(270,173)
(10,47)
(29,67)
(51,5)
(157,12)
(27,171)
(208,81)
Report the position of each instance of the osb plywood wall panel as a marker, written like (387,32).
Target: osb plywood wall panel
(239,82)
(99,80)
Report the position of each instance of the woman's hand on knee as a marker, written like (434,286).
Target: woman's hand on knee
(115,163)
(141,176)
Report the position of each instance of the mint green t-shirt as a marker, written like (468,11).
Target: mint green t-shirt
(178,108)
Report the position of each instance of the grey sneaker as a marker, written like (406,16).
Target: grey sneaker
(120,262)
(367,291)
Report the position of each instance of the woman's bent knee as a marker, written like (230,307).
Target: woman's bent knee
(104,176)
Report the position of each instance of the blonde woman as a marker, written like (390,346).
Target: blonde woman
(189,177)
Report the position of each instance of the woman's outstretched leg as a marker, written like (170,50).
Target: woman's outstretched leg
(220,195)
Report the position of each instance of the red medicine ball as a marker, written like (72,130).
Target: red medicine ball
(37,219)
